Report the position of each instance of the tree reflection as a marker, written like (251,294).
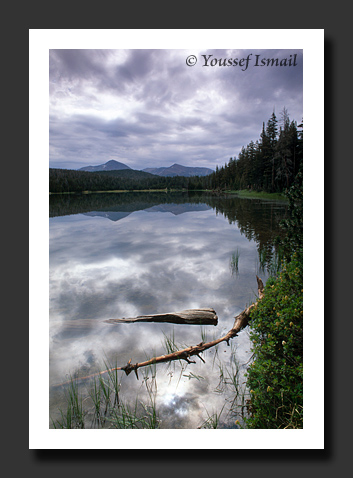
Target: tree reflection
(257,219)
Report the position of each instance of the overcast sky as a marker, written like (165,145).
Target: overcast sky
(148,108)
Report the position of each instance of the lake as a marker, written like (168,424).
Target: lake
(117,255)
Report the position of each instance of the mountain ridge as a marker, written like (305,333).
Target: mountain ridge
(179,170)
(171,171)
(111,165)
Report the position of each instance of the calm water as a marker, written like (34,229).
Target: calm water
(124,255)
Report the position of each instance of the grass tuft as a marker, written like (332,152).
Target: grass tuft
(234,262)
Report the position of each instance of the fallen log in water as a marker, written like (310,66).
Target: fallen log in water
(190,316)
(241,321)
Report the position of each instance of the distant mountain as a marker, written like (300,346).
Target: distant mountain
(111,165)
(174,170)
(179,170)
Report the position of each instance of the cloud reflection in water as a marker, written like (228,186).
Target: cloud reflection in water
(148,262)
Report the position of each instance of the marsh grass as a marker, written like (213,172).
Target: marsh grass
(95,394)
(75,415)
(170,347)
(151,416)
(140,414)
(230,385)
(213,420)
(114,381)
(100,405)
(169,342)
(229,375)
(234,263)
(125,416)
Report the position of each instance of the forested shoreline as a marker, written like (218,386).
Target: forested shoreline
(269,164)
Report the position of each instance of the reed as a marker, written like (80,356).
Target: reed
(171,347)
(213,420)
(103,402)
(169,342)
(234,262)
(96,394)
(151,417)
(140,415)
(114,383)
(75,415)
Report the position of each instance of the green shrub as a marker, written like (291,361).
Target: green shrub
(275,378)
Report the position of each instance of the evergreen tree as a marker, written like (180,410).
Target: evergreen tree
(268,164)
(271,132)
(287,152)
(283,158)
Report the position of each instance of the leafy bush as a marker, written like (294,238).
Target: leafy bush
(275,378)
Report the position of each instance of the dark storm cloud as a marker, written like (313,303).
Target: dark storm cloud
(81,66)
(147,108)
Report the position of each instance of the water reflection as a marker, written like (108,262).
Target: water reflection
(257,219)
(124,255)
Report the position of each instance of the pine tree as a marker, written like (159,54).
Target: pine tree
(286,152)
(271,132)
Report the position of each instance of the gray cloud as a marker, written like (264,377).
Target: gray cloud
(147,108)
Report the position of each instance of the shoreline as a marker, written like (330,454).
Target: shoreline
(243,194)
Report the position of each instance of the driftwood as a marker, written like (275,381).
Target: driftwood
(190,316)
(241,321)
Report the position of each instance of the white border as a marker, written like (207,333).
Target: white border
(312,42)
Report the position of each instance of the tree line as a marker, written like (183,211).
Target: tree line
(269,164)
(69,180)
